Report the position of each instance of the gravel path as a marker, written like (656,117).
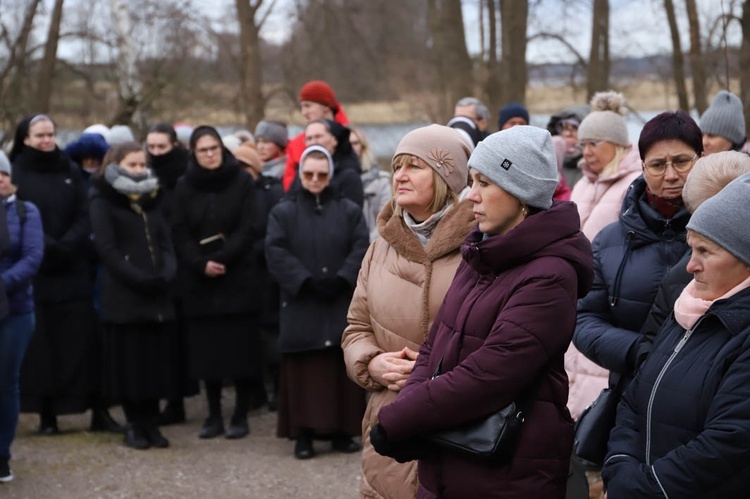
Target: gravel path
(80,464)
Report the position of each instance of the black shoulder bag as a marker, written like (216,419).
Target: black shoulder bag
(594,425)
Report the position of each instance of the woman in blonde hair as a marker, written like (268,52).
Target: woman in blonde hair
(375,182)
(610,163)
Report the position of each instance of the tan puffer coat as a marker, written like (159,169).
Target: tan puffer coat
(399,290)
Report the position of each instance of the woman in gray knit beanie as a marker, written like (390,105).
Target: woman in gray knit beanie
(723,124)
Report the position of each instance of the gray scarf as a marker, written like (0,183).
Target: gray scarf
(128,184)
(424,230)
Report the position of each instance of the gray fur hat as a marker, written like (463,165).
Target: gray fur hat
(274,131)
(723,218)
(4,163)
(725,118)
(522,161)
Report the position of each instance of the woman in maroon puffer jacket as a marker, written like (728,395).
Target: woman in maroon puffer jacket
(502,330)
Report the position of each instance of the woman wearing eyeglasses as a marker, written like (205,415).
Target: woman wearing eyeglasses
(632,255)
(315,243)
(215,225)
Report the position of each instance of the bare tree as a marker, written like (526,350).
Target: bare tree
(129,80)
(492,88)
(599,62)
(514,73)
(47,67)
(697,65)
(678,64)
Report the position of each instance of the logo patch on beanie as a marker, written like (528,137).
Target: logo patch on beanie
(443,160)
(506,164)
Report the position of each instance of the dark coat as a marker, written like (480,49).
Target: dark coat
(57,188)
(683,427)
(512,304)
(269,192)
(136,252)
(631,257)
(314,237)
(207,203)
(168,168)
(21,260)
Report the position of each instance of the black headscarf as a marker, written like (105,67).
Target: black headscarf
(344,155)
(211,180)
(22,131)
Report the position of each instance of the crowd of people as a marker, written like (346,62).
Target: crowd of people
(528,268)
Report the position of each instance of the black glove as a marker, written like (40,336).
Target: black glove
(329,288)
(403,452)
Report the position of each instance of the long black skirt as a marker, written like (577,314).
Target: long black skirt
(60,371)
(317,397)
(224,347)
(139,361)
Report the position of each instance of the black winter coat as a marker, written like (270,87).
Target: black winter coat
(209,203)
(168,168)
(314,237)
(56,186)
(683,427)
(631,256)
(136,252)
(269,192)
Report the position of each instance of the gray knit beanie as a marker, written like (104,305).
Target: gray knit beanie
(273,131)
(723,218)
(120,134)
(4,163)
(443,149)
(605,121)
(725,118)
(522,161)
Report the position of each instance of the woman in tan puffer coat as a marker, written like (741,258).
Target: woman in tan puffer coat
(402,282)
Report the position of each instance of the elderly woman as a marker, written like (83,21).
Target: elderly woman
(502,330)
(682,428)
(314,247)
(632,255)
(403,281)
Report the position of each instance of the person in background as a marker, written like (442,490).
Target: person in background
(183,132)
(119,134)
(511,115)
(477,111)
(88,152)
(134,245)
(723,124)
(271,139)
(215,231)
(610,163)
(375,182)
(564,129)
(61,371)
(21,253)
(316,101)
(314,247)
(167,158)
(683,422)
(404,278)
(501,332)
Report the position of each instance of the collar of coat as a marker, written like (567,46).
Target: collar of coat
(448,235)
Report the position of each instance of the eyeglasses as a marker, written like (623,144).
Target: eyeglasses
(322,176)
(658,167)
(208,150)
(566,126)
(590,143)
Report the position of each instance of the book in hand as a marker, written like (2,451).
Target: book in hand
(212,244)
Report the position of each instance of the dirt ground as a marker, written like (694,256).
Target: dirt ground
(81,464)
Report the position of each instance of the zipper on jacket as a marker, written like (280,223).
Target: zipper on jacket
(150,244)
(652,396)
(615,296)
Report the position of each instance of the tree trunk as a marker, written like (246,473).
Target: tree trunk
(492,83)
(599,63)
(745,62)
(678,64)
(514,73)
(13,72)
(47,67)
(697,65)
(454,57)
(251,69)
(128,111)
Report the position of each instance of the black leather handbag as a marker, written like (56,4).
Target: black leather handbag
(594,425)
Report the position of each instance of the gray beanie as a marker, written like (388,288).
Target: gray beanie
(606,121)
(120,134)
(723,218)
(4,163)
(522,161)
(274,131)
(725,118)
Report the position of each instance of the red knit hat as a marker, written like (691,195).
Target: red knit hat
(320,92)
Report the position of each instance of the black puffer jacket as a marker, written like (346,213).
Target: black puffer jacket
(135,249)
(631,256)
(683,427)
(210,203)
(314,237)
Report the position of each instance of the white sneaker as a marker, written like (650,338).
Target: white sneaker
(6,475)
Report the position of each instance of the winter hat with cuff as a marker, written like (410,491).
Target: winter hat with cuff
(606,121)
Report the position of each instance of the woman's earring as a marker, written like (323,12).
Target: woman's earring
(525,211)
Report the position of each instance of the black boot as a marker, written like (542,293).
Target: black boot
(303,447)
(345,444)
(212,427)
(48,423)
(101,420)
(154,436)
(173,413)
(135,437)
(238,427)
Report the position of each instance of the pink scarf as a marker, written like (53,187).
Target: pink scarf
(688,308)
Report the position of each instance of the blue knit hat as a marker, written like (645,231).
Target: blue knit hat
(512,110)
(88,145)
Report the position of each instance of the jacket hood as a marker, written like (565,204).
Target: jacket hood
(645,223)
(550,233)
(631,162)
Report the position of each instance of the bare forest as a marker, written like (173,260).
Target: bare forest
(138,61)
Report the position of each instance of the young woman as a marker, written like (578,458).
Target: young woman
(502,330)
(134,245)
